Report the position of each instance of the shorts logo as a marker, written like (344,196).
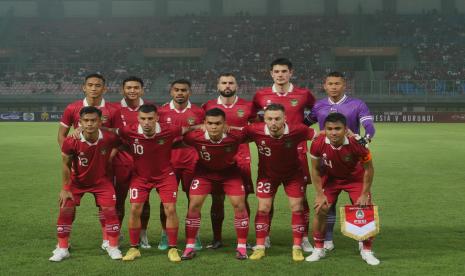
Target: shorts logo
(294,102)
(174,194)
(191,121)
(204,148)
(161,141)
(263,142)
(360,214)
(136,141)
(268,102)
(240,113)
(168,120)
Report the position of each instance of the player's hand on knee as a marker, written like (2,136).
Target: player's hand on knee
(64,196)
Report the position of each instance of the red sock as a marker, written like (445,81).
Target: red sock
(101,218)
(367,244)
(134,236)
(172,234)
(192,226)
(298,227)
(306,214)
(64,224)
(112,226)
(241,224)
(262,221)
(319,239)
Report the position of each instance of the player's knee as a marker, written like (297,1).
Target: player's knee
(264,208)
(136,209)
(170,209)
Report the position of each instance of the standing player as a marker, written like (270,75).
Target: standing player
(356,113)
(216,172)
(239,113)
(94,87)
(295,100)
(150,146)
(339,163)
(180,112)
(279,163)
(85,165)
(133,90)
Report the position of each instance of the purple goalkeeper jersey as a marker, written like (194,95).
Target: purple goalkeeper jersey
(355,110)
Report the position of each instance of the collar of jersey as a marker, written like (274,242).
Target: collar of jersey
(83,139)
(180,111)
(85,103)
(141,131)
(227,106)
(207,137)
(291,88)
(338,102)
(125,104)
(267,130)
(346,142)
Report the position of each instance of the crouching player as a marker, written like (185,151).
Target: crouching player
(85,164)
(216,172)
(339,163)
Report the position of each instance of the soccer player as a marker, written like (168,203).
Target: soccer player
(150,145)
(180,112)
(239,113)
(216,172)
(133,90)
(94,88)
(356,113)
(339,163)
(85,164)
(279,163)
(295,100)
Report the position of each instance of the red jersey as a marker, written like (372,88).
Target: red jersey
(278,158)
(151,154)
(295,101)
(71,114)
(344,162)
(89,160)
(189,116)
(215,156)
(237,114)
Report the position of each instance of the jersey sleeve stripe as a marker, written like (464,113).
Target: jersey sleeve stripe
(314,157)
(366,118)
(63,124)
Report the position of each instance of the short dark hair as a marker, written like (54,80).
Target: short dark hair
(95,75)
(215,112)
(274,107)
(133,78)
(281,61)
(335,74)
(90,110)
(147,108)
(336,117)
(182,81)
(226,74)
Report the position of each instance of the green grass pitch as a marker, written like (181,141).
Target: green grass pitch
(419,186)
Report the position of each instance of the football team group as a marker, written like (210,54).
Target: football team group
(134,146)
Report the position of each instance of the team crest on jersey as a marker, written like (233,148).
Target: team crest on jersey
(161,141)
(348,158)
(191,121)
(240,113)
(103,151)
(228,149)
(294,102)
(288,144)
(360,214)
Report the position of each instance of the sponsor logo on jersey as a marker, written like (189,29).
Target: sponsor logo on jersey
(294,102)
(191,121)
(348,158)
(161,141)
(288,144)
(240,113)
(360,214)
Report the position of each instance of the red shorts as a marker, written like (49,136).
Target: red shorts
(140,188)
(183,161)
(103,192)
(334,187)
(302,149)
(294,187)
(229,182)
(243,162)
